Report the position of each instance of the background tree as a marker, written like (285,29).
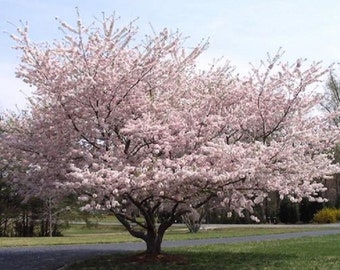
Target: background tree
(24,212)
(332,106)
(332,101)
(9,199)
(10,206)
(127,124)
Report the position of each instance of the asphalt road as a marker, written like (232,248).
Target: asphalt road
(55,257)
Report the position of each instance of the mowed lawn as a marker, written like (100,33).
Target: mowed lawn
(317,253)
(303,253)
(80,234)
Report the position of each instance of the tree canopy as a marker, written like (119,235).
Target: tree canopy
(135,124)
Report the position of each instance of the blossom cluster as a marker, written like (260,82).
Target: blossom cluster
(117,121)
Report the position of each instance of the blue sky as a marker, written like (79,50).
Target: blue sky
(241,31)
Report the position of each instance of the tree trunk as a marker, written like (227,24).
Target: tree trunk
(154,237)
(153,244)
(50,217)
(4,233)
(148,232)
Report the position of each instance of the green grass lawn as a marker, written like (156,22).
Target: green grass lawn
(80,234)
(76,234)
(304,253)
(317,253)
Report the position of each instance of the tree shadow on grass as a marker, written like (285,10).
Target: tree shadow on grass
(186,260)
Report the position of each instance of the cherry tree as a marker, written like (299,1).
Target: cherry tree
(136,124)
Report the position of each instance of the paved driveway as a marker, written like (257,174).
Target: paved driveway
(55,257)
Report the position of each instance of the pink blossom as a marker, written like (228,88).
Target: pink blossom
(140,125)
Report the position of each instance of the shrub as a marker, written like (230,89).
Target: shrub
(327,215)
(337,214)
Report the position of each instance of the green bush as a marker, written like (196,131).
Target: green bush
(327,215)
(338,214)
